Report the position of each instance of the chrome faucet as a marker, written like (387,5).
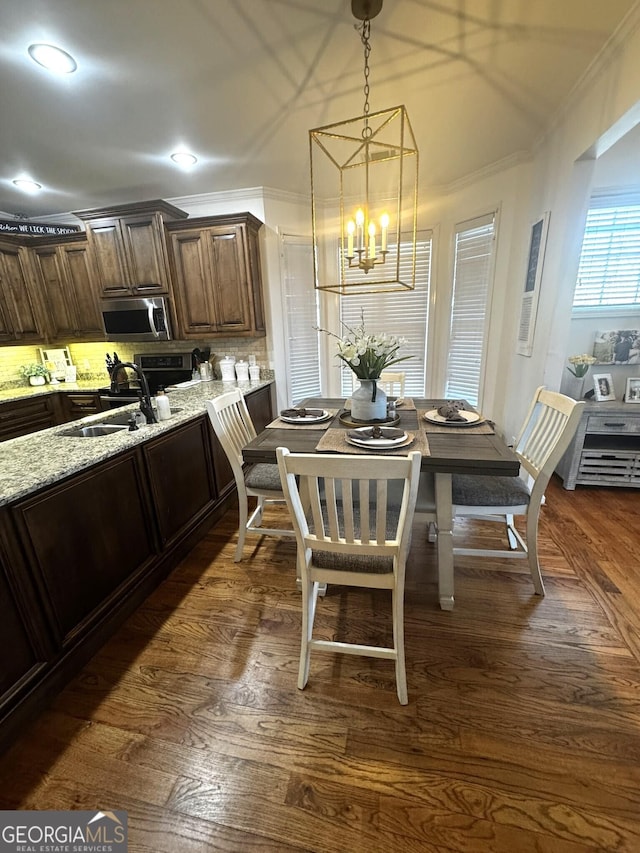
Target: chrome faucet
(145,397)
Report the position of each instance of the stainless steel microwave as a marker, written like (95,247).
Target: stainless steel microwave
(145,319)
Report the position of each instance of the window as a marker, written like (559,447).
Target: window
(301,317)
(609,271)
(473,269)
(400,313)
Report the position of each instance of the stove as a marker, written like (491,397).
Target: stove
(160,369)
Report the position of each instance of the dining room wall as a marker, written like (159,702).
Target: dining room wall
(602,108)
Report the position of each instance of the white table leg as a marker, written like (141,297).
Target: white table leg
(445,540)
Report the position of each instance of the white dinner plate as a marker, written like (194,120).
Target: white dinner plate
(308,419)
(470,419)
(382,443)
(380,448)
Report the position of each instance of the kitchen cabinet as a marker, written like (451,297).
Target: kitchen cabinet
(181,478)
(605,450)
(79,404)
(24,646)
(108,544)
(129,247)
(21,314)
(217,277)
(20,417)
(68,284)
(78,555)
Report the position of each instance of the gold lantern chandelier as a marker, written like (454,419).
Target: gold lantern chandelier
(364,193)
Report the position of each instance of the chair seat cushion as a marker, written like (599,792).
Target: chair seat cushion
(357,562)
(263,476)
(352,562)
(472,490)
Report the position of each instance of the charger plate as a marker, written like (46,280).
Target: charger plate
(470,419)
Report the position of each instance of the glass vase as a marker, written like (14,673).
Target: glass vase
(575,388)
(368,402)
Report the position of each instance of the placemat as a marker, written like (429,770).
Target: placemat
(278,424)
(335,441)
(482,429)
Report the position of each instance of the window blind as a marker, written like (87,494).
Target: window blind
(399,313)
(473,263)
(609,270)
(301,318)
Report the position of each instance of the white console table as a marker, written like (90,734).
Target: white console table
(605,450)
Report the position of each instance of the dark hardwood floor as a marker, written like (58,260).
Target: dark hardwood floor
(522,733)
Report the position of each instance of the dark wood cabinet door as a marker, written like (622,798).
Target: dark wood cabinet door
(19,657)
(68,286)
(61,315)
(144,242)
(20,417)
(79,404)
(21,313)
(80,279)
(195,307)
(109,546)
(105,239)
(229,279)
(182,485)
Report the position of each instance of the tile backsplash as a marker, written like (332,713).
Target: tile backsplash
(89,358)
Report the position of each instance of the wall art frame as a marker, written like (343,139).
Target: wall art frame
(533,278)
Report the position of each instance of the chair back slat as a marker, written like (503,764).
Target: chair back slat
(357,514)
(232,423)
(548,429)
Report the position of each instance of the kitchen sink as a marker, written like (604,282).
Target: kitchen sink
(94,430)
(110,425)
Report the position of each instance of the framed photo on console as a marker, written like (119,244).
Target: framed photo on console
(632,394)
(603,387)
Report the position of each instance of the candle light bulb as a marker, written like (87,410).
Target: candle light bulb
(372,239)
(351,229)
(360,228)
(384,225)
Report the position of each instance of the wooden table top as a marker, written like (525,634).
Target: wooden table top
(454,453)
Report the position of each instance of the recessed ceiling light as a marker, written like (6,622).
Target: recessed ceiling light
(183,158)
(27,185)
(53,58)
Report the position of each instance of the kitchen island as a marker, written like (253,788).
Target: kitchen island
(90,526)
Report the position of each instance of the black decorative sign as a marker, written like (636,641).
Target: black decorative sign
(42,229)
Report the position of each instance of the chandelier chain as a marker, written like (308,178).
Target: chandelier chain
(365,35)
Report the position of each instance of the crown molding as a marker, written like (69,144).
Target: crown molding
(509,162)
(253,194)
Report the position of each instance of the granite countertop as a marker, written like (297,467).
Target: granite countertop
(25,392)
(33,461)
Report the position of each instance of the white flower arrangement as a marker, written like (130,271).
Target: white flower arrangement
(581,364)
(368,355)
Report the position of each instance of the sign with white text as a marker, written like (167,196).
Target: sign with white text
(38,229)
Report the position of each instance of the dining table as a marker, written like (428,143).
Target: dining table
(447,449)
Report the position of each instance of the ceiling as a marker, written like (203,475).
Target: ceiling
(240,83)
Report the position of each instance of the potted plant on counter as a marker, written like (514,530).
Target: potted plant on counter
(37,374)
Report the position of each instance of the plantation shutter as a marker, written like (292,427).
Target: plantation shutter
(609,271)
(401,313)
(473,264)
(301,318)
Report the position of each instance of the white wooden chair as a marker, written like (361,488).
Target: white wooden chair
(547,432)
(392,382)
(234,428)
(356,532)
